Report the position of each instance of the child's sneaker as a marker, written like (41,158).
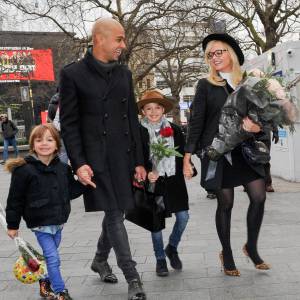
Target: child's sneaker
(45,289)
(64,295)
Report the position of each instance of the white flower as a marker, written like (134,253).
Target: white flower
(256,73)
(276,89)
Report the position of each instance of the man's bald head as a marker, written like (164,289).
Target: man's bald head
(104,26)
(108,39)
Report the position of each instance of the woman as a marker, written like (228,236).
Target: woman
(168,175)
(224,57)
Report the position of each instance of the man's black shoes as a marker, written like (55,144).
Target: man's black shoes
(135,290)
(104,271)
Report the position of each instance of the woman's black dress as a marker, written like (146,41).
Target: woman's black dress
(203,126)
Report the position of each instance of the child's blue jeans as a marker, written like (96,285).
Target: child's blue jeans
(50,243)
(182,218)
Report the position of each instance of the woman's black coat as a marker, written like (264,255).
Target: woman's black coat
(175,196)
(41,194)
(100,128)
(203,126)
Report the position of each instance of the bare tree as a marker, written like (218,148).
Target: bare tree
(265,21)
(183,67)
(139,18)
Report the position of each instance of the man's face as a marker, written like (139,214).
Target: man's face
(111,44)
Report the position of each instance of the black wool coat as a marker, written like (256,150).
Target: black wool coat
(175,193)
(204,125)
(41,194)
(99,126)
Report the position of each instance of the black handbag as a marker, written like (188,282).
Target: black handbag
(255,152)
(147,212)
(195,172)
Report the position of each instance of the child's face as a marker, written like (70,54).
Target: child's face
(45,146)
(153,112)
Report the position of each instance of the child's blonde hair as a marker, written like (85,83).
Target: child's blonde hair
(37,132)
(213,77)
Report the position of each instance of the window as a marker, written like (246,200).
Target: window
(161,84)
(189,83)
(188,98)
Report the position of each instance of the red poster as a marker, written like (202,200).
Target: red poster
(44,115)
(26,65)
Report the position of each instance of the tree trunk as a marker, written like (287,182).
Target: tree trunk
(271,37)
(176,109)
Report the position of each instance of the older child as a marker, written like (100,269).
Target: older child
(40,191)
(153,105)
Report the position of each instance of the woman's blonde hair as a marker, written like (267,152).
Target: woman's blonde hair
(37,132)
(213,76)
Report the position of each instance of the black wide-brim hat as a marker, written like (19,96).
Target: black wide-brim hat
(224,37)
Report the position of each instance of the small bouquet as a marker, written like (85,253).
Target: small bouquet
(30,266)
(161,149)
(260,97)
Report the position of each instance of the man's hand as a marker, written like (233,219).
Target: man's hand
(85,174)
(12,233)
(275,137)
(140,173)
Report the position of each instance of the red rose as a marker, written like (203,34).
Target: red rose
(33,265)
(166,132)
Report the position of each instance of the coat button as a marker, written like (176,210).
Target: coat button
(106,115)
(104,132)
(128,150)
(124,100)
(126,132)
(124,116)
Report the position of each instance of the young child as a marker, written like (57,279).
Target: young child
(40,191)
(153,105)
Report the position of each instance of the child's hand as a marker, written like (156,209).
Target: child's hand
(152,176)
(12,233)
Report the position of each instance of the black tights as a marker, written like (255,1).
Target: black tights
(257,196)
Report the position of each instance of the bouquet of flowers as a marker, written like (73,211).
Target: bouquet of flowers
(30,266)
(161,149)
(264,100)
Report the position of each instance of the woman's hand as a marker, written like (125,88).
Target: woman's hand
(187,166)
(250,126)
(153,176)
(12,233)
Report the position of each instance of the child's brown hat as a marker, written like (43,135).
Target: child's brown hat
(154,96)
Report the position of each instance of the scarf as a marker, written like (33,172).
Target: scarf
(167,165)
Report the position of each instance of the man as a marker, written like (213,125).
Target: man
(100,129)
(9,131)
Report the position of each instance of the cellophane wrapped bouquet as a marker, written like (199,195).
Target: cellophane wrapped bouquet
(264,100)
(30,266)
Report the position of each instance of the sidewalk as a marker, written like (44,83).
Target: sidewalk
(201,278)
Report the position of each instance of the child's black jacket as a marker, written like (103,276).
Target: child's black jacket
(41,194)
